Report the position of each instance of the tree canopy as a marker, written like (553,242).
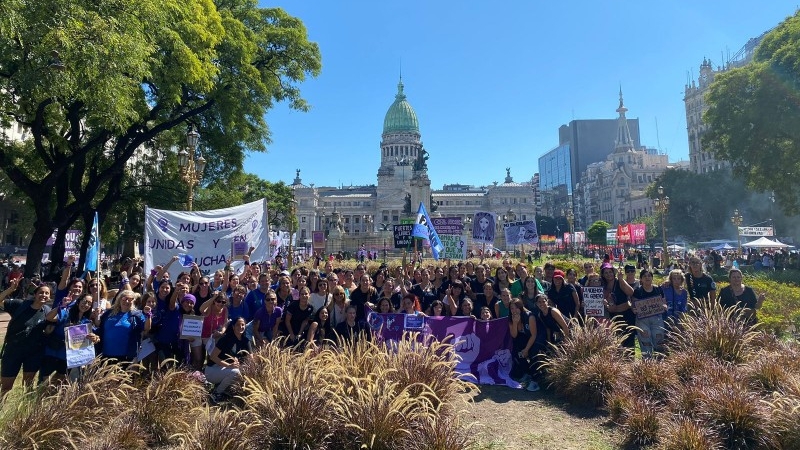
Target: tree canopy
(596,234)
(753,115)
(95,83)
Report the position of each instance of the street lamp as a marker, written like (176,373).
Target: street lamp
(291,217)
(571,220)
(662,206)
(191,168)
(736,220)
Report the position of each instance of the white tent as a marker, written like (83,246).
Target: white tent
(724,246)
(675,248)
(763,242)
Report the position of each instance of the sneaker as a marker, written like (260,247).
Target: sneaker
(525,379)
(533,386)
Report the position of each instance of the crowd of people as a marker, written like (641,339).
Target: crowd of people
(139,320)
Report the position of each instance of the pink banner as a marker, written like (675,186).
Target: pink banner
(638,233)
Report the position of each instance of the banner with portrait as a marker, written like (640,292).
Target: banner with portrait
(483,226)
(520,232)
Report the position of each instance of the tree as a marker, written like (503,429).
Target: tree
(242,187)
(95,82)
(596,234)
(753,115)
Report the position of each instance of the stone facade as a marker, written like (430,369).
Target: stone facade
(357,216)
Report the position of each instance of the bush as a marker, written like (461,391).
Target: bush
(641,422)
(738,416)
(685,434)
(720,333)
(650,379)
(585,364)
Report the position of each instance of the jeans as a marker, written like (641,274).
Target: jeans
(223,377)
(651,334)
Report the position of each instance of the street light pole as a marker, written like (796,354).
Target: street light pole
(191,168)
(291,217)
(662,206)
(736,220)
(570,220)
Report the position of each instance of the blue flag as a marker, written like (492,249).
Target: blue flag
(93,251)
(423,228)
(185,259)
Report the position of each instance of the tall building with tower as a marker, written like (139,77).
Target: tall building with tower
(701,159)
(356,216)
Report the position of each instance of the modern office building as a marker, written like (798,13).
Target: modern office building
(353,216)
(701,160)
(581,144)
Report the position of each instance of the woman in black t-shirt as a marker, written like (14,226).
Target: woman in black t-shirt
(229,352)
(741,296)
(296,317)
(23,348)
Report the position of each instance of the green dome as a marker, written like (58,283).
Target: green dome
(400,116)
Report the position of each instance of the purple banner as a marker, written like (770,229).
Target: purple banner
(448,225)
(484,347)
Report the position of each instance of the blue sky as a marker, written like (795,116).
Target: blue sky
(491,82)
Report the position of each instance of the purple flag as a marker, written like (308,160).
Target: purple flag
(484,347)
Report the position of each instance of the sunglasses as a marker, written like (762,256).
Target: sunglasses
(220,302)
(204,283)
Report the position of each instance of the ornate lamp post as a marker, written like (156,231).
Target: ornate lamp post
(191,168)
(736,220)
(570,221)
(662,206)
(291,217)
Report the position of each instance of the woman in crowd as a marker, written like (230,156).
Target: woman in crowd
(438,278)
(501,307)
(219,280)
(531,289)
(338,307)
(466,309)
(363,295)
(284,292)
(321,298)
(237,306)
(55,351)
(312,278)
(676,297)
(437,309)
(202,292)
(380,279)
(195,355)
(453,296)
(563,296)
(348,283)
(742,297)
(23,346)
(649,306)
(296,317)
(233,282)
(501,280)
(410,305)
(134,283)
(384,306)
(319,329)
(215,317)
(572,280)
(485,314)
(120,328)
(350,330)
(229,352)
(615,298)
(267,319)
(550,324)
(522,325)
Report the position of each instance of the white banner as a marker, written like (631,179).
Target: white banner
(208,236)
(755,231)
(520,232)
